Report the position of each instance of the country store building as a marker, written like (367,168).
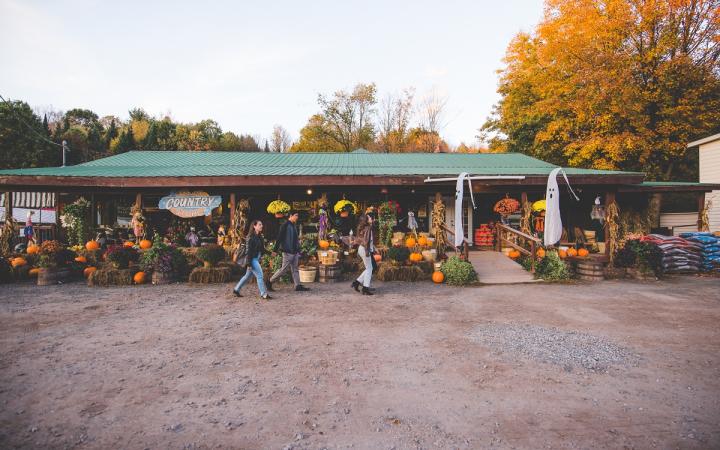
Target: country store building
(116,184)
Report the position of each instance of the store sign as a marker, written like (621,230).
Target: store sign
(190,204)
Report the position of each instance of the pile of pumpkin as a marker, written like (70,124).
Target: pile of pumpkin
(93,246)
(571,252)
(415,246)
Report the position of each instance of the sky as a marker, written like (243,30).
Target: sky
(251,65)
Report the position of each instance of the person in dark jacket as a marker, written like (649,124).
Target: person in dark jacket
(364,238)
(255,250)
(289,243)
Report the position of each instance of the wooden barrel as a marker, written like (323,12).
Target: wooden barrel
(163,277)
(48,277)
(590,270)
(329,273)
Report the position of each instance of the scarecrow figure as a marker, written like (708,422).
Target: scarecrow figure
(192,238)
(138,224)
(221,235)
(323,222)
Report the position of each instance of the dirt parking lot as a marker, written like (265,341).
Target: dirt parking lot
(606,365)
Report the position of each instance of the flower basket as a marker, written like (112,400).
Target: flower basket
(307,274)
(278,207)
(279,215)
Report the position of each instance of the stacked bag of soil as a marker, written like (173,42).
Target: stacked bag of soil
(679,255)
(710,249)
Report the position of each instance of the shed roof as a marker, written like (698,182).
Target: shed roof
(224,164)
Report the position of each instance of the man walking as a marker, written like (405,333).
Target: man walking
(289,243)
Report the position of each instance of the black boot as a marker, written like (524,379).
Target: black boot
(355,285)
(237,293)
(366,291)
(301,288)
(268,285)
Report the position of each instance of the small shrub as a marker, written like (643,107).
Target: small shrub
(120,256)
(398,254)
(458,272)
(163,258)
(211,254)
(552,268)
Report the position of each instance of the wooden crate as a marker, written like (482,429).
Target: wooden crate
(329,273)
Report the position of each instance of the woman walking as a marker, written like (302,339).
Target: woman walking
(364,238)
(255,250)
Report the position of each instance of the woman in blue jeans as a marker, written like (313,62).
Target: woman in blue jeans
(255,250)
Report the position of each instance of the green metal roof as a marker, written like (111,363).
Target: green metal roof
(192,164)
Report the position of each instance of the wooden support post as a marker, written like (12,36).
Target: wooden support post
(8,205)
(609,199)
(138,200)
(533,255)
(232,210)
(58,226)
(701,209)
(523,198)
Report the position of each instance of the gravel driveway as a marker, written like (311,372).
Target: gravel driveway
(610,365)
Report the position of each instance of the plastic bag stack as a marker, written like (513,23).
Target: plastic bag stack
(710,245)
(679,255)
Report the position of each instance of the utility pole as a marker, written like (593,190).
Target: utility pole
(65,149)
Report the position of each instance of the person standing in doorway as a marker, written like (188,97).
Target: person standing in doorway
(255,250)
(289,243)
(366,247)
(29,230)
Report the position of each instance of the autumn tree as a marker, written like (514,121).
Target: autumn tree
(394,121)
(280,140)
(612,84)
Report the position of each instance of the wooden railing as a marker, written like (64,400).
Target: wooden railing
(524,243)
(465,245)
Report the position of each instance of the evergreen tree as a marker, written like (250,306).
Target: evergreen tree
(111,134)
(45,125)
(127,141)
(151,140)
(267,147)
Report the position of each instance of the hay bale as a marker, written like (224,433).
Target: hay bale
(109,276)
(235,270)
(388,272)
(210,275)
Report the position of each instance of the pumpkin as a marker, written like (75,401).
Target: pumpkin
(128,244)
(145,244)
(323,244)
(33,249)
(438,277)
(34,272)
(88,271)
(378,257)
(92,245)
(583,252)
(139,278)
(571,252)
(18,262)
(540,253)
(514,254)
(416,257)
(562,254)
(423,241)
(410,242)
(81,259)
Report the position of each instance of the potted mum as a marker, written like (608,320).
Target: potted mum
(279,208)
(345,207)
(54,263)
(164,261)
(120,256)
(210,255)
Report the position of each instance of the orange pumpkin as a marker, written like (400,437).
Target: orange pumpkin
(438,277)
(583,252)
(423,241)
(128,244)
(514,254)
(88,271)
(540,253)
(33,272)
(572,252)
(139,278)
(92,245)
(18,262)
(145,244)
(33,249)
(81,259)
(378,257)
(562,254)
(323,244)
(410,242)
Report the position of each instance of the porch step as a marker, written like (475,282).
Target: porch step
(495,268)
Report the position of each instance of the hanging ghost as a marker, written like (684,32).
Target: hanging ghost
(412,222)
(553,222)
(459,233)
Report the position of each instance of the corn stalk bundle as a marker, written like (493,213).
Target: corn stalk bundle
(525,219)
(239,221)
(438,226)
(612,212)
(704,224)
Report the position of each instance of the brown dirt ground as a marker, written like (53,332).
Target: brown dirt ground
(186,366)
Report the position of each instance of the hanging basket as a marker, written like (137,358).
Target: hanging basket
(279,215)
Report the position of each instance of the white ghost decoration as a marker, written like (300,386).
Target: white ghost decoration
(459,233)
(553,222)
